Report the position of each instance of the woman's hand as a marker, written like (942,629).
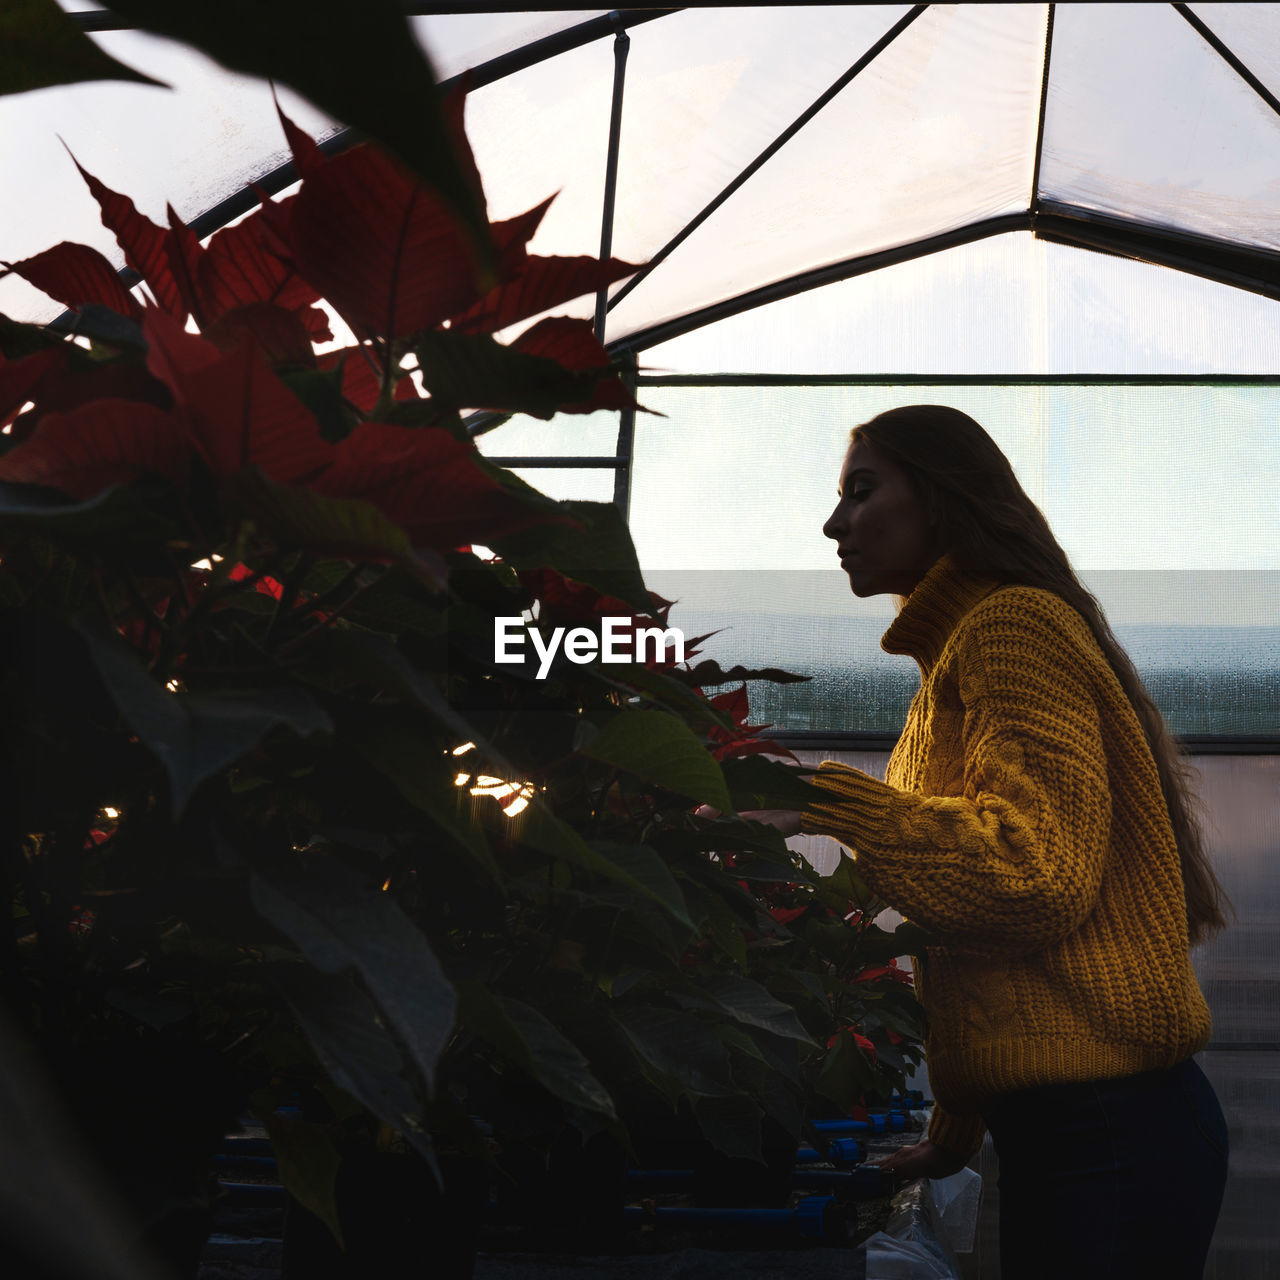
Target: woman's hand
(785,820)
(923,1160)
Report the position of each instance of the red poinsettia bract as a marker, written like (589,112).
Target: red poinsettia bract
(744,739)
(392,259)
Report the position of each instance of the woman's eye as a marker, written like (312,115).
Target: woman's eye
(861,495)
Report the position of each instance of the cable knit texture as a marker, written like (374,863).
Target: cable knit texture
(1022,822)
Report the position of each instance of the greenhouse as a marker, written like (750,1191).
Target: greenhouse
(335,338)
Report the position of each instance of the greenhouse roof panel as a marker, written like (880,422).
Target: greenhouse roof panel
(938,132)
(1146,121)
(1160,124)
(1010,304)
(1248,32)
(457,41)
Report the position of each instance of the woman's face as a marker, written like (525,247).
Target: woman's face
(886,538)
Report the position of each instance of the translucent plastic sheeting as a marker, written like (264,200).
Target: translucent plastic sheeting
(544,132)
(1146,121)
(565,436)
(189,146)
(1163,497)
(938,132)
(1240,974)
(1249,31)
(579,484)
(1154,477)
(708,89)
(1240,968)
(1008,305)
(456,41)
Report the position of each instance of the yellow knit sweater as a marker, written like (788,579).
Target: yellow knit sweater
(1022,823)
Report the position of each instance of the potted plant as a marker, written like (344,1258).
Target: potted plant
(283,827)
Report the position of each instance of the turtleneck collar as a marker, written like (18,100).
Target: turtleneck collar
(930,613)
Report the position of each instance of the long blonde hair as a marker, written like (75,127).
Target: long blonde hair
(990,526)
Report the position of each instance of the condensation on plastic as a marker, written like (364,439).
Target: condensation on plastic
(1146,122)
(936,133)
(1162,496)
(1011,304)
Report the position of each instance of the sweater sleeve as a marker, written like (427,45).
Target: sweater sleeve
(1015,861)
(954,1132)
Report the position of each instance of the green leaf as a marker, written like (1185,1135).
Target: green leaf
(193,735)
(307,1165)
(782,1055)
(357,60)
(744,1000)
(904,1022)
(845,885)
(645,867)
(731,1125)
(680,1047)
(734,835)
(397,602)
(130,515)
(341,922)
(635,867)
(780,1103)
(302,519)
(525,1037)
(665,690)
(757,783)
(321,391)
(18,339)
(719,922)
(373,659)
(41,46)
(846,1074)
(662,750)
(711,673)
(596,550)
(474,371)
(415,765)
(356,1049)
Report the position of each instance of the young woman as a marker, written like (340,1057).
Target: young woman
(1038,821)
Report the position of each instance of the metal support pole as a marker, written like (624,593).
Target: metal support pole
(626,446)
(621,47)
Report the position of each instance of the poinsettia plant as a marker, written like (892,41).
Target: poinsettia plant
(279,823)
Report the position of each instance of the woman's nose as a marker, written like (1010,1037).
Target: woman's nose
(833,525)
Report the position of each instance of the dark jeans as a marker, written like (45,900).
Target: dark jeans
(1112,1179)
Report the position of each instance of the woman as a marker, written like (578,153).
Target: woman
(1038,821)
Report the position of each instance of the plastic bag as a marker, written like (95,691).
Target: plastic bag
(927,1220)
